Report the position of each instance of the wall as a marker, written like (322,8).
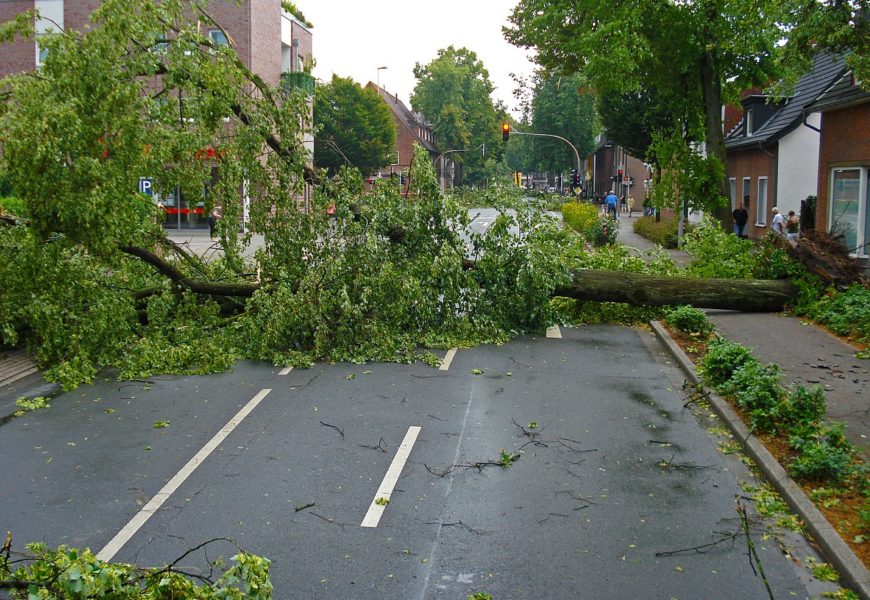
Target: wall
(754,163)
(17,56)
(845,142)
(798,174)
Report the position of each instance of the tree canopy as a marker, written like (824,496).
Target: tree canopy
(354,126)
(454,92)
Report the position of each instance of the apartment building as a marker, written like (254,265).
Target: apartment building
(272,43)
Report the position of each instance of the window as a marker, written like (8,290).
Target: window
(218,37)
(732,191)
(747,182)
(41,54)
(848,210)
(761,212)
(749,120)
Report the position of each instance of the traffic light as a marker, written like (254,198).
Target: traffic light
(575,178)
(505,131)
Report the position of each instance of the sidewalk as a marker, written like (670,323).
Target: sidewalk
(807,354)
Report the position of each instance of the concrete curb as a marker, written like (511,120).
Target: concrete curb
(855,575)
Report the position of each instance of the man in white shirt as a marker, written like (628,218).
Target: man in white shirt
(778,224)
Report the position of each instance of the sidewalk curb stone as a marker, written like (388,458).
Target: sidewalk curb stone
(835,550)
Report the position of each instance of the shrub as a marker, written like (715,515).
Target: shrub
(579,215)
(717,253)
(723,358)
(663,233)
(757,389)
(602,231)
(824,456)
(805,406)
(845,313)
(690,320)
(12,206)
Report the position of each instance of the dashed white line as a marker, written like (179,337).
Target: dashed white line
(448,358)
(382,496)
(140,518)
(554,332)
(285,371)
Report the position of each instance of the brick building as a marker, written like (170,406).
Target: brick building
(611,165)
(271,42)
(844,163)
(411,128)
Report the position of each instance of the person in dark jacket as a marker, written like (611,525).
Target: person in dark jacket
(741,216)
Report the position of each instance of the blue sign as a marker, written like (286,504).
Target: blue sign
(146,186)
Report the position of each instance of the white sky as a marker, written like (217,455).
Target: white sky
(352,38)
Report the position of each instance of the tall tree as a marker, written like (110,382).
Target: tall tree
(353,126)
(562,106)
(631,119)
(695,54)
(454,92)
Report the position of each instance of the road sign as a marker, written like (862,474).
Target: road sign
(625,179)
(146,186)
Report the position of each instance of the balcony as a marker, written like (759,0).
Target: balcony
(298,80)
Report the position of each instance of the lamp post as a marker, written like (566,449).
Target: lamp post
(379,75)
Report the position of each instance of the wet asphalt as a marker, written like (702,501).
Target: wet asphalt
(610,470)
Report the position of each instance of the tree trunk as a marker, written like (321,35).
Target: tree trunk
(747,295)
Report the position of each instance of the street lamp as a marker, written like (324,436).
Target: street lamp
(379,75)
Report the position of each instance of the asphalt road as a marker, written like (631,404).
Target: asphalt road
(614,470)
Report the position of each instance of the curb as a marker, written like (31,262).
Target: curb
(855,575)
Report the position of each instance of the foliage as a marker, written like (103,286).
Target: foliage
(353,124)
(662,232)
(602,231)
(453,92)
(563,106)
(845,312)
(722,360)
(686,176)
(291,8)
(824,454)
(580,216)
(805,407)
(75,574)
(690,320)
(631,119)
(757,390)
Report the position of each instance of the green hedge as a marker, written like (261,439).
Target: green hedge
(663,233)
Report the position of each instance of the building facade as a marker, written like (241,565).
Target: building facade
(274,44)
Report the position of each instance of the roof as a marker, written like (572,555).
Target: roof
(827,68)
(413,121)
(842,93)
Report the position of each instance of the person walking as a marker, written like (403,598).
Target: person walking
(212,219)
(777,226)
(741,217)
(610,202)
(792,226)
(630,203)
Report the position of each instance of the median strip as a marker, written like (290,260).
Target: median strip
(382,496)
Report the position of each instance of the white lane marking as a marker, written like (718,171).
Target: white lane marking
(448,358)
(285,370)
(554,332)
(140,518)
(373,516)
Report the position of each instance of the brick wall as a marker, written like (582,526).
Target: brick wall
(17,56)
(77,14)
(845,142)
(754,163)
(265,40)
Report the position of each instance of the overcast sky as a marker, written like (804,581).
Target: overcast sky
(352,38)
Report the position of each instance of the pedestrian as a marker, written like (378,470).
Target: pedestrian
(622,204)
(630,202)
(212,220)
(610,202)
(792,226)
(777,226)
(647,207)
(741,217)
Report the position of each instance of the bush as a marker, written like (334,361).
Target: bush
(579,215)
(723,358)
(825,456)
(12,206)
(717,253)
(689,320)
(663,233)
(845,313)
(805,406)
(757,390)
(602,232)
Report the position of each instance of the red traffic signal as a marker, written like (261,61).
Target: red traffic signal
(505,131)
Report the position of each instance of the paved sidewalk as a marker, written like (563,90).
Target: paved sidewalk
(807,354)
(628,237)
